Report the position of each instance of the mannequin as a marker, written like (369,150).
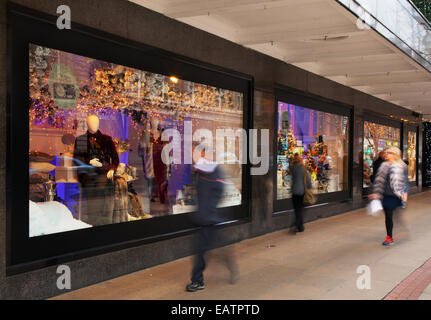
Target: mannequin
(93,123)
(97,150)
(160,168)
(145,151)
(155,129)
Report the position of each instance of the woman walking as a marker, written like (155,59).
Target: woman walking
(299,178)
(391,186)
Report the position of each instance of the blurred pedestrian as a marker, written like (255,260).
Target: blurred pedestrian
(376,165)
(300,180)
(210,185)
(391,186)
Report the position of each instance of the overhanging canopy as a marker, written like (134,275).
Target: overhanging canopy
(364,44)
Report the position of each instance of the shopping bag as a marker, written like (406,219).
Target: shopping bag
(309,196)
(374,208)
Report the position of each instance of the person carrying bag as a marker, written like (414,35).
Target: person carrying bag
(301,189)
(309,196)
(391,187)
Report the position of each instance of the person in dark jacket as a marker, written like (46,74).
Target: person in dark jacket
(299,178)
(210,185)
(376,165)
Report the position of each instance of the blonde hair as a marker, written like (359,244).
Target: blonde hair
(396,152)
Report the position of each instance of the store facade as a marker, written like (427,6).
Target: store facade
(97,92)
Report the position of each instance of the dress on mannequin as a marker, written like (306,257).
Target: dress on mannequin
(145,151)
(97,188)
(160,169)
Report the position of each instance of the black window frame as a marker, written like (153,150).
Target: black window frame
(318,103)
(27,26)
(369,116)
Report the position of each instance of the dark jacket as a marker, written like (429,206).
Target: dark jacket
(298,187)
(391,183)
(97,145)
(376,166)
(209,187)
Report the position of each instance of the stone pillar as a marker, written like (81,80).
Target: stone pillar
(261,201)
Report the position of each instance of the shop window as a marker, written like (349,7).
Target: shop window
(95,147)
(322,139)
(376,138)
(410,154)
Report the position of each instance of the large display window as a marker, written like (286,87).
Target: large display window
(88,168)
(96,148)
(377,137)
(321,136)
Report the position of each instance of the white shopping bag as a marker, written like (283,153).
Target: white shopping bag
(374,208)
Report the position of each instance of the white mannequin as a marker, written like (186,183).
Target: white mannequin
(93,123)
(154,131)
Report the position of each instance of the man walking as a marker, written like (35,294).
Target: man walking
(209,187)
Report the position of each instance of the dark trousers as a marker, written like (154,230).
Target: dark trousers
(205,236)
(389,220)
(298,205)
(390,204)
(97,199)
(162,187)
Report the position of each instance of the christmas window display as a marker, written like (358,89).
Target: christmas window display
(95,146)
(322,140)
(410,154)
(377,137)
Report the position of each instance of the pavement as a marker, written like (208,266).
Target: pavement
(326,262)
(426,295)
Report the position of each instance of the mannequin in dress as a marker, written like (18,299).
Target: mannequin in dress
(97,150)
(160,168)
(145,151)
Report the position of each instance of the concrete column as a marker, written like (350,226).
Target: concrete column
(261,201)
